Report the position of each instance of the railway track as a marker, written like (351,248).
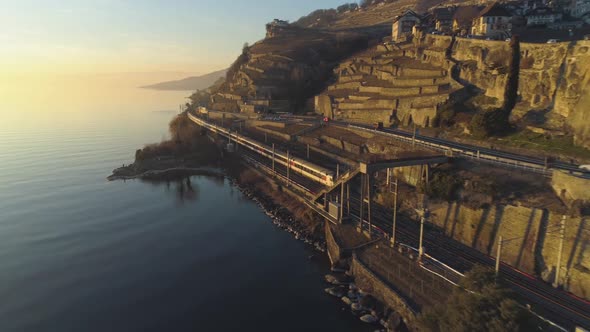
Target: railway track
(559,306)
(499,157)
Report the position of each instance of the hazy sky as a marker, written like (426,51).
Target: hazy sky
(90,36)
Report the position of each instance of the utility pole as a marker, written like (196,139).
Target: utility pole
(421,248)
(308,151)
(337,170)
(362,202)
(288,168)
(499,256)
(273,158)
(265,138)
(414,137)
(561,239)
(341,215)
(394,213)
(348,198)
(369,205)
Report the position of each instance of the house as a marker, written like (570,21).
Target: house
(517,8)
(542,16)
(463,18)
(579,8)
(443,19)
(403,25)
(493,21)
(529,5)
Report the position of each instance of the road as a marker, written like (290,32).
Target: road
(476,152)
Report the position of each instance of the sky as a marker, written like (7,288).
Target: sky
(133,36)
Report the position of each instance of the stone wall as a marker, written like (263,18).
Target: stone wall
(323,105)
(368,281)
(276,133)
(343,145)
(570,188)
(258,123)
(411,175)
(367,115)
(437,41)
(332,245)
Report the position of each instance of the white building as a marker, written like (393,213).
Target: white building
(579,7)
(542,16)
(493,21)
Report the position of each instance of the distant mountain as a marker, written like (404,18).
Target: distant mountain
(190,83)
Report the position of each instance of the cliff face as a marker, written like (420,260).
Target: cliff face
(572,99)
(484,64)
(554,79)
(534,242)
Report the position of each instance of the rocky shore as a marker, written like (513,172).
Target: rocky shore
(362,304)
(282,217)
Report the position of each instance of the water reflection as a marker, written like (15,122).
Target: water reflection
(185,188)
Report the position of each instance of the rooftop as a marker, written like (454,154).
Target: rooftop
(494,9)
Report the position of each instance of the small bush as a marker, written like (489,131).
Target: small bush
(443,185)
(445,114)
(481,304)
(488,123)
(498,59)
(527,63)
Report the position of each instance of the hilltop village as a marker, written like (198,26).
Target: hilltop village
(422,139)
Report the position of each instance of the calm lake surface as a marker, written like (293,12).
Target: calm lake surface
(78,253)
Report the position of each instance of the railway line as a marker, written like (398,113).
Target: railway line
(557,305)
(483,154)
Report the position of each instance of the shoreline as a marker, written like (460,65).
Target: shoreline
(280,216)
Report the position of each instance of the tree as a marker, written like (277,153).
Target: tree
(199,98)
(480,304)
(346,7)
(182,130)
(442,186)
(511,92)
(365,3)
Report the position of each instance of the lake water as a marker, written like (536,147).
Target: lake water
(78,253)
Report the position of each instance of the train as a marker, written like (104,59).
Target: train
(297,165)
